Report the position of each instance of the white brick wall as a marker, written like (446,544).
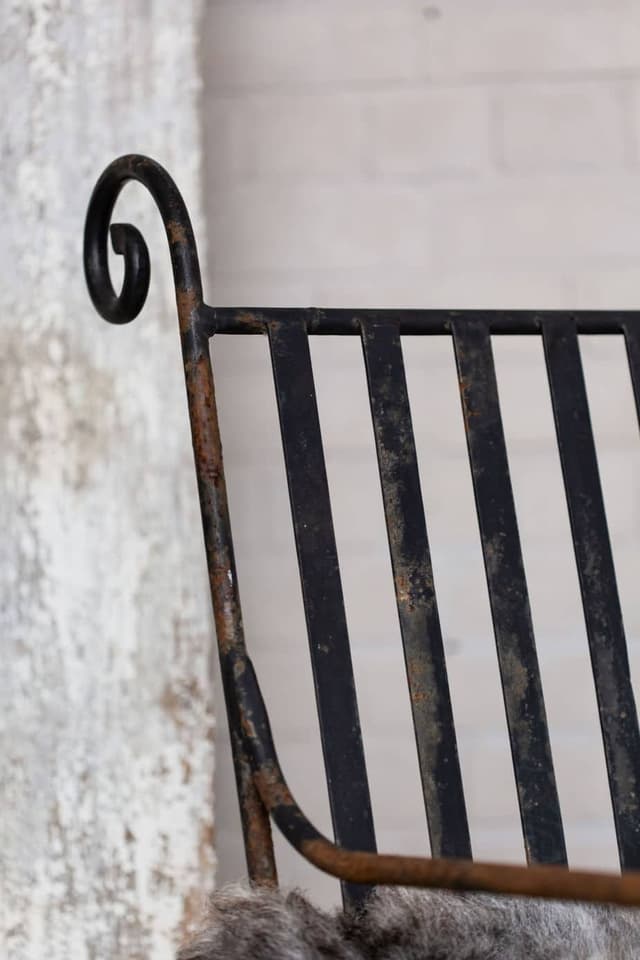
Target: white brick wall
(467,153)
(573,127)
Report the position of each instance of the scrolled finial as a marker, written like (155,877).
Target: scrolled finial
(129,242)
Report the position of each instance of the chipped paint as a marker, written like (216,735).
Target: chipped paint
(106,734)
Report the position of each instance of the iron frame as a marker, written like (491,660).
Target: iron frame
(262,788)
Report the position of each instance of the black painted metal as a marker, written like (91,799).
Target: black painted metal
(632,341)
(322,590)
(422,322)
(603,616)
(124,307)
(130,244)
(519,671)
(261,785)
(550,881)
(415,592)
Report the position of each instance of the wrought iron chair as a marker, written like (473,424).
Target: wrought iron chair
(262,788)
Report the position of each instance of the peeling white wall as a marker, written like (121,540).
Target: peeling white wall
(106,725)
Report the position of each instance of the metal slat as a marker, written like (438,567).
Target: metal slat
(632,340)
(519,671)
(415,593)
(322,591)
(603,616)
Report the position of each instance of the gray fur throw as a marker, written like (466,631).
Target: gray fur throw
(404,924)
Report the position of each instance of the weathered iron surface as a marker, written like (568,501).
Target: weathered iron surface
(262,787)
(207,447)
(415,591)
(508,595)
(632,341)
(551,881)
(603,616)
(420,322)
(322,590)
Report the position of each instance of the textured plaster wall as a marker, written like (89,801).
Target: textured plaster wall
(106,727)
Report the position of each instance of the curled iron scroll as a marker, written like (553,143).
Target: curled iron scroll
(128,241)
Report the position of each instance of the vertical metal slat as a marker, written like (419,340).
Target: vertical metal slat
(631,331)
(603,616)
(508,594)
(322,591)
(415,592)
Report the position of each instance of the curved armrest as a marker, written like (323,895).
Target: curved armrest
(355,866)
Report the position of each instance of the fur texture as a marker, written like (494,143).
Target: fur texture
(403,924)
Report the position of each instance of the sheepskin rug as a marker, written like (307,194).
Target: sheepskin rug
(405,924)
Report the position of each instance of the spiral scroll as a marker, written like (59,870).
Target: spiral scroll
(129,242)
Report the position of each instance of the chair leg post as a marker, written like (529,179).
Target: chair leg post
(256,825)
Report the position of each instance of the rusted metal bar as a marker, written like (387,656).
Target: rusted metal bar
(603,615)
(552,881)
(122,308)
(415,592)
(508,595)
(345,767)
(254,320)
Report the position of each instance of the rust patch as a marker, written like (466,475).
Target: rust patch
(403,589)
(257,829)
(468,413)
(247,724)
(187,300)
(552,882)
(251,321)
(177,232)
(273,788)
